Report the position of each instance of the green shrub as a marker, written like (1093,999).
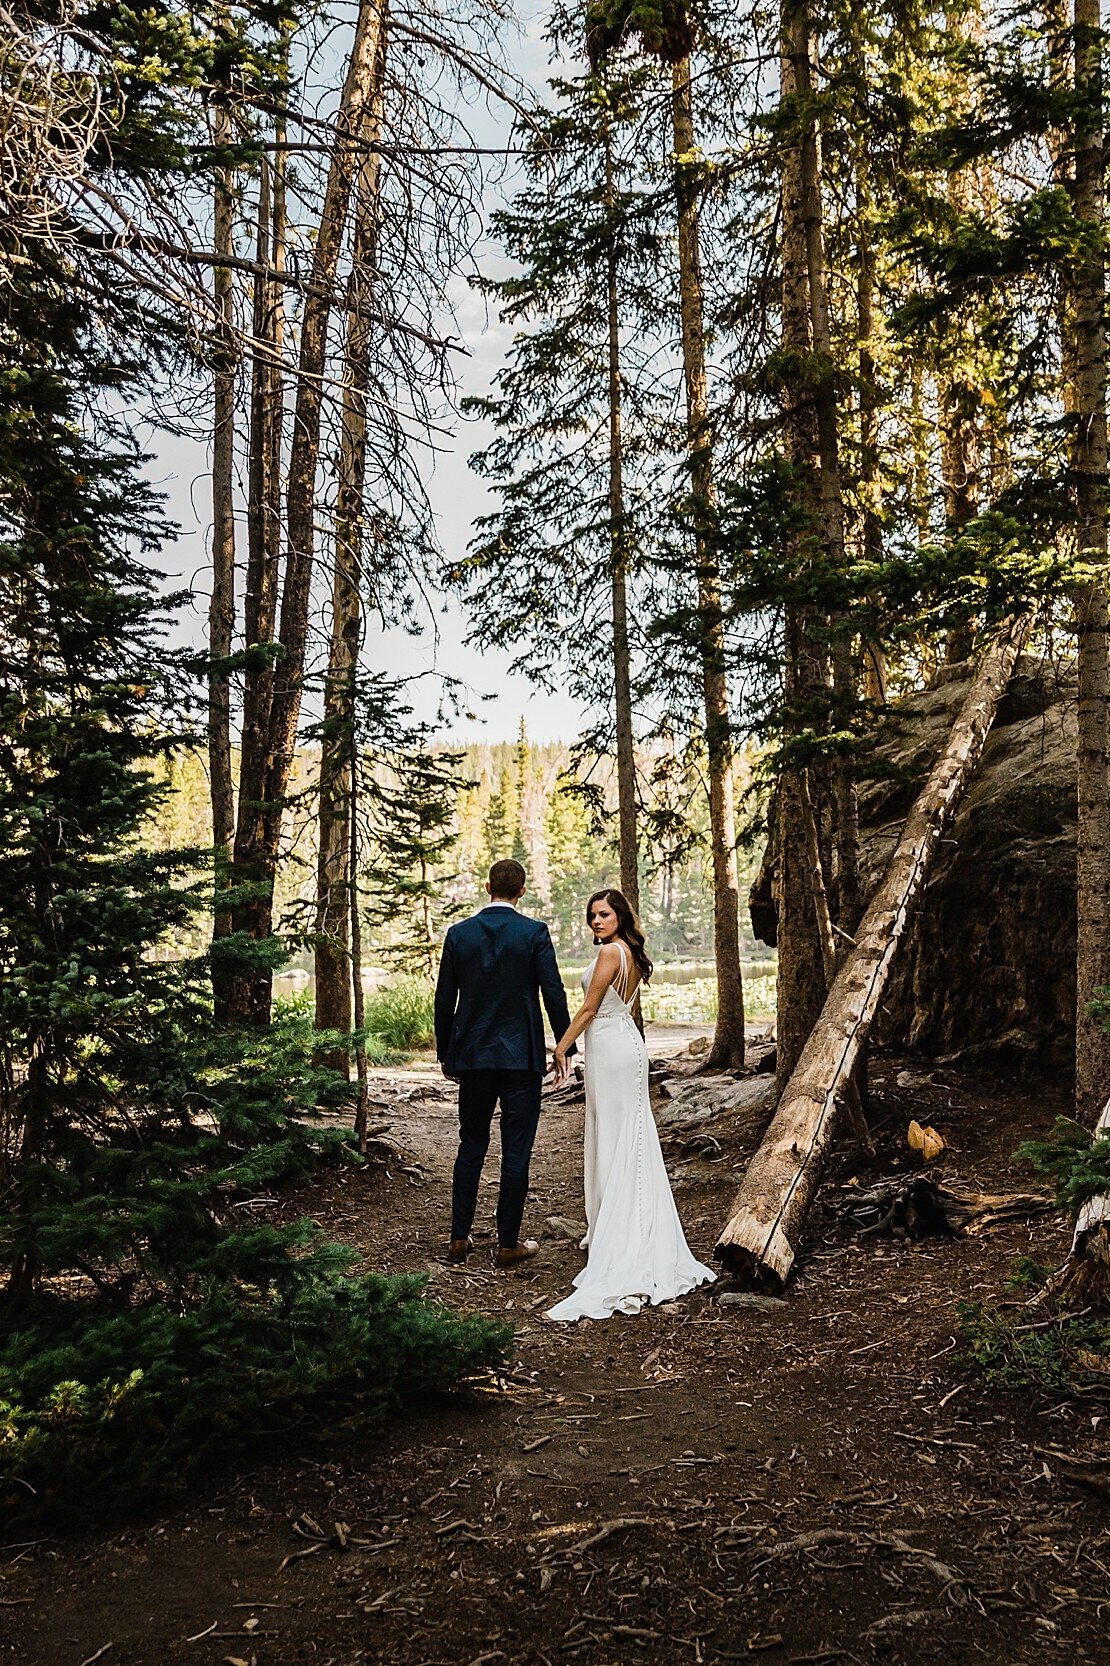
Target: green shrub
(295,1014)
(1078,1165)
(1054,1351)
(401,1014)
(99,1409)
(1030,1354)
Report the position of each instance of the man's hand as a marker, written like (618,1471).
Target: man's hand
(448,1074)
(559,1066)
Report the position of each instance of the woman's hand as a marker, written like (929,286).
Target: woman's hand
(560,1065)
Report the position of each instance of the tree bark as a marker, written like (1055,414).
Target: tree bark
(618,557)
(800,982)
(334,877)
(264,469)
(1092,1043)
(221,607)
(258,832)
(759,1241)
(959,467)
(362,1098)
(829,488)
(870,480)
(264,472)
(830,955)
(727,1051)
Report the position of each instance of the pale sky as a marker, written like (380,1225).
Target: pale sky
(458,497)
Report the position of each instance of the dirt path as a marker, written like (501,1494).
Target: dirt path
(815,1482)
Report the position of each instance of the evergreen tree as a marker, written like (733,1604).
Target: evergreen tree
(415,830)
(667,33)
(502,826)
(147,1324)
(580,865)
(579,410)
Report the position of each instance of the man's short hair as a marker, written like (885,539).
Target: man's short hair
(506,878)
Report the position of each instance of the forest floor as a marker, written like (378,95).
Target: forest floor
(821,1481)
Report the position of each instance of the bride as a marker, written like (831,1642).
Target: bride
(637,1251)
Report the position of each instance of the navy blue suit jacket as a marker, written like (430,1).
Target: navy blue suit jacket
(494,969)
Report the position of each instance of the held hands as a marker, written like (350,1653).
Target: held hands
(560,1066)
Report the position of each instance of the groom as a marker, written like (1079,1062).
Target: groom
(489,1039)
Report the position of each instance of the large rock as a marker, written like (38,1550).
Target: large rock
(705,1096)
(987,971)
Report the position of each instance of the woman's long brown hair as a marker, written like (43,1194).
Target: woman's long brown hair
(628,928)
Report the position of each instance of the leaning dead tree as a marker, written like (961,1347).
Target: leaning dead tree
(758,1242)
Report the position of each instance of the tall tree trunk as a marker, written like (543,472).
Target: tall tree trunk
(1092,1043)
(265,437)
(800,982)
(362,1097)
(870,481)
(959,414)
(760,1239)
(830,493)
(618,558)
(727,1050)
(258,832)
(221,607)
(337,761)
(920,474)
(959,468)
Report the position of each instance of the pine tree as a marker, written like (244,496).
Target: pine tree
(1088,297)
(579,866)
(668,33)
(148,1324)
(502,826)
(578,411)
(407,879)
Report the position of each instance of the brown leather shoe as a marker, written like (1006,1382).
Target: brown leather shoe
(515,1256)
(458,1250)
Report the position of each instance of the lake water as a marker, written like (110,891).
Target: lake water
(677,972)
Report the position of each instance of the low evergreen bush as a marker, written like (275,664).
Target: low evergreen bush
(1032,1352)
(99,1409)
(1078,1165)
(149,1324)
(1039,1347)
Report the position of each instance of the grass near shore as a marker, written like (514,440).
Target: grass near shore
(399,1014)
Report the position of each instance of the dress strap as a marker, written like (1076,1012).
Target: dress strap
(622,977)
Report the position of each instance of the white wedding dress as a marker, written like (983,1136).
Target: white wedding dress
(637,1250)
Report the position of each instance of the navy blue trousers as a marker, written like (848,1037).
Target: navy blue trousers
(518,1092)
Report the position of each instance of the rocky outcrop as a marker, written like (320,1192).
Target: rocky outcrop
(988,968)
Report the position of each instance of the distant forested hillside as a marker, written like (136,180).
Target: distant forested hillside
(508,799)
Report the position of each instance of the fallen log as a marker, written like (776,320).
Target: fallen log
(758,1241)
(921,1206)
(828,949)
